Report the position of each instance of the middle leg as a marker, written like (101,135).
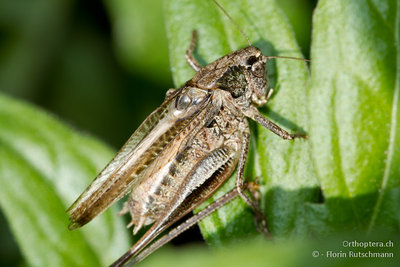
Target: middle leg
(189,53)
(260,221)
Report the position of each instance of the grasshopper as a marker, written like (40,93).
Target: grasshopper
(185,150)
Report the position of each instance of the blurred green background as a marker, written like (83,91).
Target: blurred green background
(100,66)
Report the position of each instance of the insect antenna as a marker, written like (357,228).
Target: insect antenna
(247,38)
(296,58)
(233,21)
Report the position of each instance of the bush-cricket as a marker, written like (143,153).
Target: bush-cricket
(185,150)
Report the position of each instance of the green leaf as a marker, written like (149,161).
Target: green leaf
(349,112)
(44,167)
(353,104)
(334,251)
(284,167)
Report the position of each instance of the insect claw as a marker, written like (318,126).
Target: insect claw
(270,92)
(298,135)
(253,186)
(124,210)
(139,225)
(73,225)
(130,224)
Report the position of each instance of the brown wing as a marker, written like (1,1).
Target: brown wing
(202,166)
(123,173)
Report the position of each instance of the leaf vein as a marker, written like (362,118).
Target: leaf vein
(393,124)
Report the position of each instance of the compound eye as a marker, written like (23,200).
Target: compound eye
(182,102)
(258,69)
(251,60)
